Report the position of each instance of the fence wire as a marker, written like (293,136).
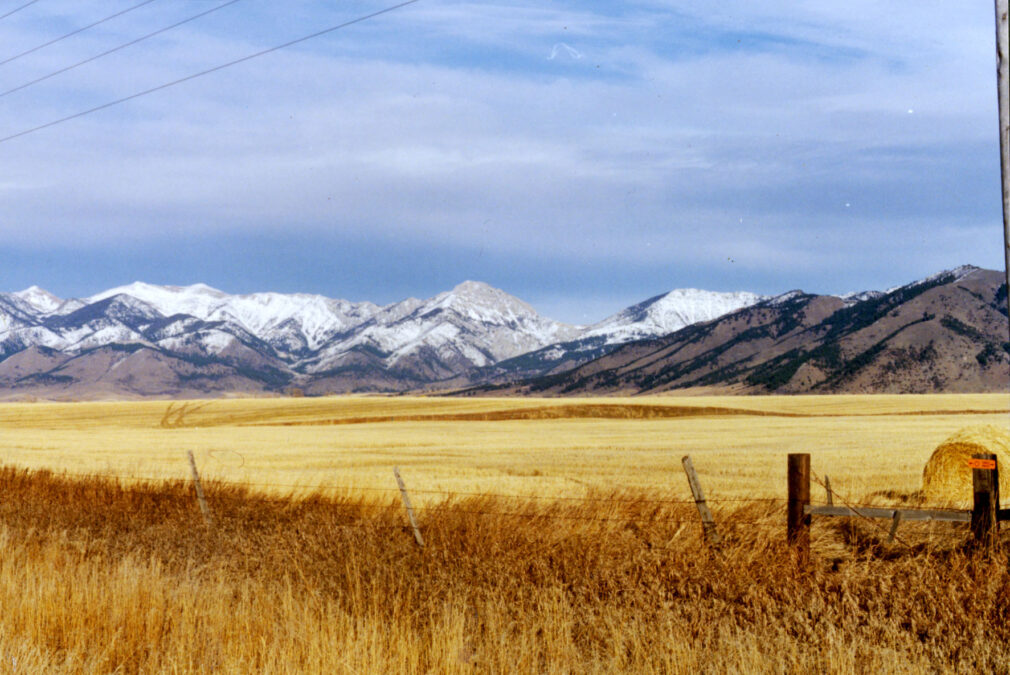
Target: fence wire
(361,518)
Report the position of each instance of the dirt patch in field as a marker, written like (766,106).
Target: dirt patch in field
(207,414)
(555,412)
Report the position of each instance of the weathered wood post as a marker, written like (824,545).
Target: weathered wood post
(895,521)
(199,489)
(797,520)
(408,506)
(707,522)
(985,486)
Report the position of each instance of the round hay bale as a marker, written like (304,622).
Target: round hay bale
(946,480)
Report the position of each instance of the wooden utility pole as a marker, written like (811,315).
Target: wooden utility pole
(1003,94)
(797,519)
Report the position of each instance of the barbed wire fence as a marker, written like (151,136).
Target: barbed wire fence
(619,508)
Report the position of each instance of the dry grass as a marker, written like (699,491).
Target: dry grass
(98,577)
(593,564)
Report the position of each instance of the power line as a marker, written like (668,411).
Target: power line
(208,71)
(18,9)
(74,32)
(117,48)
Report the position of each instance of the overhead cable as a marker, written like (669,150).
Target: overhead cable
(18,9)
(74,32)
(118,48)
(208,71)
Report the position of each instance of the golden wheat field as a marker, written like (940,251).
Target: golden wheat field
(559,538)
(543,447)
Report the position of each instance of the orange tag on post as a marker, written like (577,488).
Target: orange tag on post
(982,464)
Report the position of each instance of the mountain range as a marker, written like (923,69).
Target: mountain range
(170,341)
(149,340)
(946,333)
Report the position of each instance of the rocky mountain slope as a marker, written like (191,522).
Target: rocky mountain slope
(157,340)
(660,315)
(944,333)
(149,340)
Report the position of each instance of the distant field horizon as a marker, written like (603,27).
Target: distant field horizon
(518,446)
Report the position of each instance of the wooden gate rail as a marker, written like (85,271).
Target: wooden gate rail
(984,518)
(877,512)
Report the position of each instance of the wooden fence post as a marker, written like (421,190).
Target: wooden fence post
(707,522)
(409,507)
(797,521)
(895,521)
(985,486)
(827,488)
(199,489)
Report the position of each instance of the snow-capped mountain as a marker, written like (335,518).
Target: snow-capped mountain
(192,340)
(275,340)
(667,313)
(945,333)
(292,324)
(652,318)
(472,325)
(40,300)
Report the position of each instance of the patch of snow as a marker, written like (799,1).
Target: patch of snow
(665,314)
(958,273)
(261,314)
(861,296)
(553,354)
(41,300)
(785,297)
(85,339)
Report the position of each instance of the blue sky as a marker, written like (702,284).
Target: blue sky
(583,156)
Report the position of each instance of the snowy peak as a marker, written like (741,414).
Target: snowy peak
(670,312)
(119,309)
(952,275)
(472,325)
(854,298)
(470,288)
(41,300)
(290,322)
(198,300)
(947,276)
(479,302)
(474,296)
(959,273)
(783,298)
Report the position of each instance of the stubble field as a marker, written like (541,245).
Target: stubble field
(545,447)
(560,537)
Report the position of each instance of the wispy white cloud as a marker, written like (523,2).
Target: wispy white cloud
(566,49)
(685,134)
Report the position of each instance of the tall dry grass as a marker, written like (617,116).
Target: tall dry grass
(99,577)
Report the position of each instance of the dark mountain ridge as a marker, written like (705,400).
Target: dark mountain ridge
(945,333)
